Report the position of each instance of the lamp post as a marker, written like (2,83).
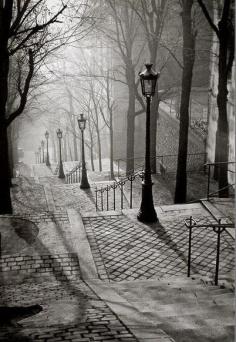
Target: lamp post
(147,213)
(47,155)
(42,147)
(61,171)
(40,160)
(84,180)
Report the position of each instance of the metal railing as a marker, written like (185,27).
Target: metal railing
(109,193)
(74,176)
(209,167)
(218,228)
(168,162)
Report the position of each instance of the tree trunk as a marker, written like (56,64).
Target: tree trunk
(130,76)
(5,196)
(153,132)
(76,157)
(99,150)
(54,146)
(10,151)
(188,62)
(65,147)
(222,135)
(111,147)
(153,48)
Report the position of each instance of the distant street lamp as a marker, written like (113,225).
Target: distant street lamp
(40,159)
(42,147)
(47,155)
(147,213)
(61,171)
(84,180)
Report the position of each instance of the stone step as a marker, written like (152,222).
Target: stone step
(185,309)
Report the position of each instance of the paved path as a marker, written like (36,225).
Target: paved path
(103,277)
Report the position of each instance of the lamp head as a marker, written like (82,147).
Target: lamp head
(59,133)
(148,79)
(82,122)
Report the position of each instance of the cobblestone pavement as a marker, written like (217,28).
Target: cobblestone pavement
(39,267)
(44,270)
(71,196)
(124,250)
(71,312)
(28,196)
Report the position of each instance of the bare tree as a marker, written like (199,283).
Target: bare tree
(224,32)
(25,33)
(189,37)
(152,15)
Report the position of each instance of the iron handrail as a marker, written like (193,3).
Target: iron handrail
(218,163)
(161,157)
(117,184)
(209,165)
(218,228)
(72,176)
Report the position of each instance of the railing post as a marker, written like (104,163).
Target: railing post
(114,196)
(101,199)
(189,245)
(131,193)
(218,231)
(208,181)
(96,199)
(118,162)
(107,189)
(76,178)
(121,195)
(131,179)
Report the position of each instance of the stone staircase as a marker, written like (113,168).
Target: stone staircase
(186,309)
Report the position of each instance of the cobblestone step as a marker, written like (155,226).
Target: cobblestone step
(124,249)
(71,312)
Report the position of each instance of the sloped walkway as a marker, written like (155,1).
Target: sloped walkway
(105,276)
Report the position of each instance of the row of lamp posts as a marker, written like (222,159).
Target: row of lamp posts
(40,156)
(147,213)
(84,179)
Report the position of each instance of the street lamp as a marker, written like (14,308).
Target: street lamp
(40,160)
(42,146)
(84,180)
(147,213)
(47,155)
(61,171)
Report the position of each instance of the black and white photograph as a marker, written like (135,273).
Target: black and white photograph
(117,170)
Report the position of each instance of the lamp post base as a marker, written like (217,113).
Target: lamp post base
(48,162)
(61,171)
(84,181)
(147,213)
